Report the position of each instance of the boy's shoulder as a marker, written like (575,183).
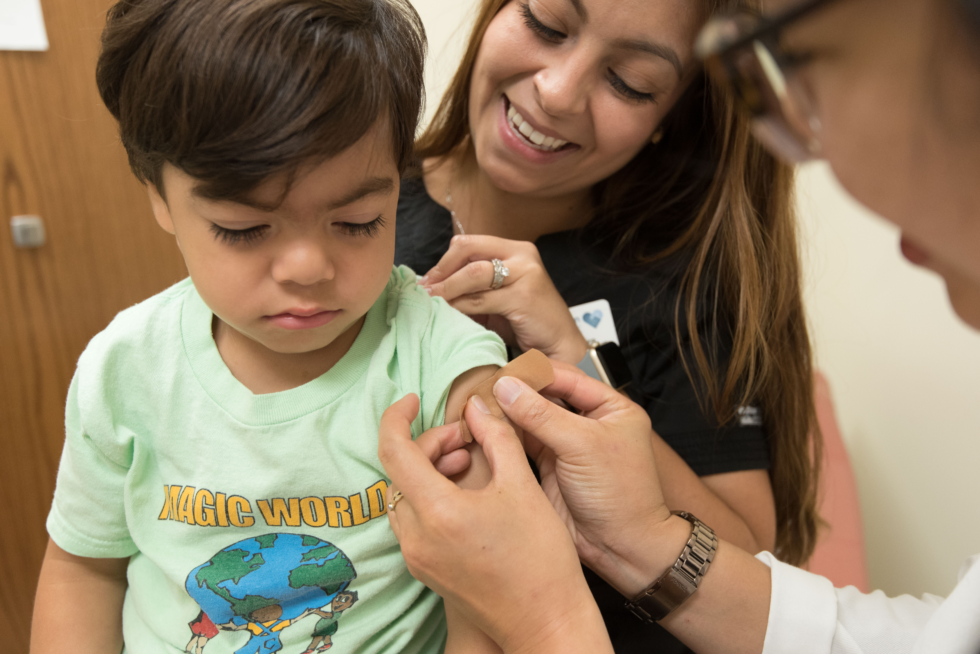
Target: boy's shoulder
(146,329)
(416,317)
(403,292)
(410,307)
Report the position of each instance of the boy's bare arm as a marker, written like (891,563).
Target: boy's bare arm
(463,635)
(478,474)
(533,367)
(79,601)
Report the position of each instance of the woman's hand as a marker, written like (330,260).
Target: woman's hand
(500,554)
(526,311)
(598,469)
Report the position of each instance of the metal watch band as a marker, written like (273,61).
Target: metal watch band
(681,579)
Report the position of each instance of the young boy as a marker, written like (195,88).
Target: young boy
(220,483)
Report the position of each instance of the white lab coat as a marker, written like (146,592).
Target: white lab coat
(807,615)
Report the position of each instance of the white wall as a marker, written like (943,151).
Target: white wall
(447,24)
(905,372)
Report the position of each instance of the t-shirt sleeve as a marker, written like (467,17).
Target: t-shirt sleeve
(451,345)
(88,515)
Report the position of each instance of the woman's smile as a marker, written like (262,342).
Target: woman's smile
(512,126)
(537,137)
(537,98)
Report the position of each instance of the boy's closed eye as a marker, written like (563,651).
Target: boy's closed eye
(238,236)
(250,235)
(371,228)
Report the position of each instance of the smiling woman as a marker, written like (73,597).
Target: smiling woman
(580,147)
(896,88)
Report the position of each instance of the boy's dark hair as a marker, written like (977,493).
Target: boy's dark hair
(232,92)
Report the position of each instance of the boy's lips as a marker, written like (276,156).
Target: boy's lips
(303,319)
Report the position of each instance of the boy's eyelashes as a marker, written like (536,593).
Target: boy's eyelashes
(363,229)
(253,234)
(238,236)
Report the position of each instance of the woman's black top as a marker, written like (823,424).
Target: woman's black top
(643,309)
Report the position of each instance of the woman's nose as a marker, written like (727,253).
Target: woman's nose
(563,86)
(305,263)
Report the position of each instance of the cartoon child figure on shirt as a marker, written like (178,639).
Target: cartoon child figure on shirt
(265,626)
(327,626)
(202,630)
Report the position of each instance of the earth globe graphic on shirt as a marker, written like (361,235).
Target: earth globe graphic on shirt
(263,585)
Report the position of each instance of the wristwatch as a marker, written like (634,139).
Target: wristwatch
(606,363)
(681,579)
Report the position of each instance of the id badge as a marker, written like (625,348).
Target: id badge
(595,321)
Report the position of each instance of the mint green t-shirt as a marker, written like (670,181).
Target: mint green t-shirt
(244,514)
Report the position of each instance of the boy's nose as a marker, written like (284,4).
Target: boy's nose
(305,264)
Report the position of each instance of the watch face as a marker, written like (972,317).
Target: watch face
(615,364)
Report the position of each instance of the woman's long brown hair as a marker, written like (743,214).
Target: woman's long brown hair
(709,203)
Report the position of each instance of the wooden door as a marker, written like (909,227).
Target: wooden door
(60,159)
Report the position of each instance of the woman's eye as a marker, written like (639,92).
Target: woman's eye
(363,229)
(627,91)
(238,236)
(538,27)
(792,61)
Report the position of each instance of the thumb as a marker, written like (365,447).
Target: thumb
(504,452)
(552,425)
(404,410)
(407,464)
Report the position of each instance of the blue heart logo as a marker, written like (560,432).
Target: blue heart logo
(593,318)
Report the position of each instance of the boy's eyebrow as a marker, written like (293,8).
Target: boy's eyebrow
(372,186)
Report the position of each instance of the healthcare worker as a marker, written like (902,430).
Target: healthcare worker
(887,91)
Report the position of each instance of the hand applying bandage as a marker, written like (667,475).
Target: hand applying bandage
(533,368)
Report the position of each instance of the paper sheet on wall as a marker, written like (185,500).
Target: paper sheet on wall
(22,25)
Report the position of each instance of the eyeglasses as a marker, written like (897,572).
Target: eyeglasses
(742,49)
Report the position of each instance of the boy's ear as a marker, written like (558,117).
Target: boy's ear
(160,209)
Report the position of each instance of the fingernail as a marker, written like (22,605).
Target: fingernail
(507,390)
(480,404)
(427,289)
(421,281)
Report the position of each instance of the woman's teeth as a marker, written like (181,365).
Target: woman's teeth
(536,138)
